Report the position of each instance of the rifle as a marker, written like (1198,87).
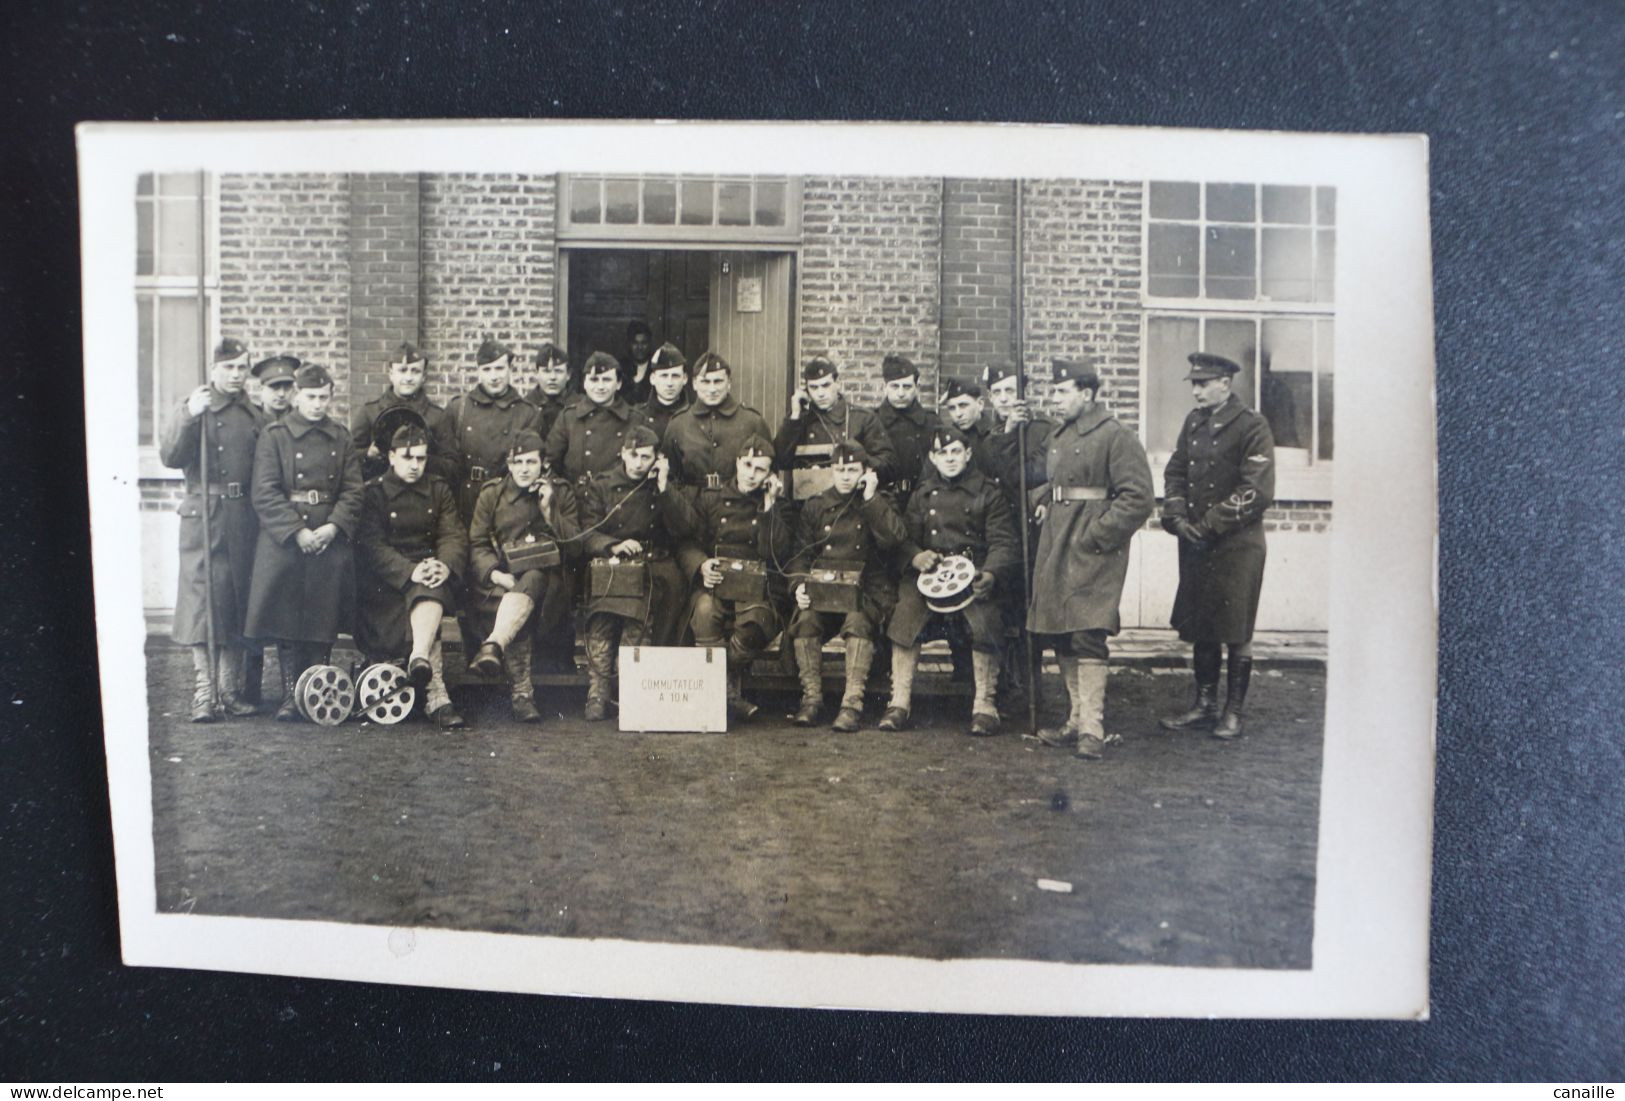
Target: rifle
(203,441)
(1017,301)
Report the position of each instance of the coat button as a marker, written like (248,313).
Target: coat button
(299,454)
(392,516)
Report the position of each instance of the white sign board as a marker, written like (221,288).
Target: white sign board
(674,688)
(748,296)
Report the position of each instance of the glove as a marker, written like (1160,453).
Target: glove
(1171,523)
(1194,534)
(982,585)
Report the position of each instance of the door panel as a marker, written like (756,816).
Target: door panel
(669,289)
(756,343)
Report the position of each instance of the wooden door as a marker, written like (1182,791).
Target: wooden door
(752,318)
(669,289)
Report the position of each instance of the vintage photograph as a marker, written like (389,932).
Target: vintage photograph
(899,564)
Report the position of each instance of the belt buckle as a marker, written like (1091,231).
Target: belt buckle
(476,474)
(311,497)
(1055,493)
(713,481)
(234,490)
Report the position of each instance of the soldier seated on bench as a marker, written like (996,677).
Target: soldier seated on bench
(628,515)
(840,580)
(525,523)
(957,510)
(735,534)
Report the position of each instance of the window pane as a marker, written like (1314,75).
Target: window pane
(1175,252)
(584,208)
(1286,388)
(143,364)
(733,204)
(1323,410)
(697,202)
(621,202)
(1325,264)
(1230,262)
(1175,200)
(659,202)
(1286,204)
(1167,395)
(143,237)
(769,204)
(1326,206)
(178,367)
(1288,265)
(177,236)
(1237,340)
(1230,202)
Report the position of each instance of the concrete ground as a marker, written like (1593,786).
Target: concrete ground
(1180,849)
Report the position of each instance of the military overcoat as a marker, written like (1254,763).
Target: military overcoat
(704,440)
(909,431)
(843,531)
(401,525)
(843,422)
(442,440)
(485,428)
(657,414)
(586,437)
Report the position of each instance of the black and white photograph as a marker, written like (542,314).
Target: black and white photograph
(966,568)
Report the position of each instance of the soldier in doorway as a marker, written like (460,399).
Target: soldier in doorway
(586,438)
(408,369)
(629,516)
(704,440)
(820,417)
(486,421)
(1099,494)
(553,392)
(850,530)
(1218,484)
(668,388)
(307,492)
(729,529)
(907,423)
(640,343)
(217,417)
(956,510)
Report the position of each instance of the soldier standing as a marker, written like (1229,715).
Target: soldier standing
(668,388)
(307,492)
(1099,494)
(586,438)
(407,372)
(1218,484)
(704,440)
(525,526)
(640,342)
(730,527)
(276,384)
(628,516)
(220,418)
(821,417)
(486,421)
(413,551)
(908,424)
(551,394)
(956,510)
(851,530)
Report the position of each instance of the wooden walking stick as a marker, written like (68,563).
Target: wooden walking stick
(1025,513)
(203,444)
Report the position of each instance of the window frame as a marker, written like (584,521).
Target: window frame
(610,235)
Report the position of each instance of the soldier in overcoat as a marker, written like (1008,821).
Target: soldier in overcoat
(307,492)
(586,438)
(956,510)
(486,421)
(854,528)
(1099,494)
(743,519)
(908,425)
(704,440)
(1218,484)
(820,417)
(219,417)
(553,390)
(629,517)
(412,553)
(521,587)
(275,376)
(668,388)
(408,369)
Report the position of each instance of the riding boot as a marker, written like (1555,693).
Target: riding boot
(230,674)
(600,645)
(810,668)
(290,663)
(1235,700)
(1089,693)
(860,655)
(521,689)
(739,660)
(1205,712)
(203,697)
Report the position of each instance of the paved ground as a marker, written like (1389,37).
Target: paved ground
(1180,849)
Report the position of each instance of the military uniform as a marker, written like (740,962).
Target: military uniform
(485,428)
(442,439)
(548,408)
(658,415)
(909,431)
(704,440)
(586,438)
(807,441)
(401,525)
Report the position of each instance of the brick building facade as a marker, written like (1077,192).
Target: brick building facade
(339,269)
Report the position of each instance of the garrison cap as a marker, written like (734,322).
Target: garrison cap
(1206,365)
(1080,371)
(230,349)
(817,367)
(756,448)
(549,354)
(958,389)
(945,434)
(276,369)
(639,435)
(849,452)
(408,354)
(491,350)
(312,376)
(527,441)
(710,361)
(896,366)
(600,363)
(407,436)
(666,356)
(997,373)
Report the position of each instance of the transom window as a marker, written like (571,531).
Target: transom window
(702,208)
(168,254)
(1224,243)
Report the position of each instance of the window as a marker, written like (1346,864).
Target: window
(1252,243)
(167,255)
(669,208)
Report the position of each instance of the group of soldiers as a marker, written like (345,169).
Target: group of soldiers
(683,517)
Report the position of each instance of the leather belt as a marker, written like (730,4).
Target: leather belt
(1078,493)
(231,490)
(477,474)
(310,497)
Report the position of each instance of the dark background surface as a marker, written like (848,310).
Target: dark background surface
(1525,107)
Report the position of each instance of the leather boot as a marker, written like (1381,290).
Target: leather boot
(230,680)
(253,677)
(1235,700)
(810,668)
(290,663)
(1089,690)
(1205,712)
(860,654)
(203,699)
(738,662)
(521,689)
(600,667)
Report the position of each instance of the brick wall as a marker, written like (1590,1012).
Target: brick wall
(488,268)
(285,268)
(869,277)
(978,260)
(1315,516)
(384,272)
(1081,275)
